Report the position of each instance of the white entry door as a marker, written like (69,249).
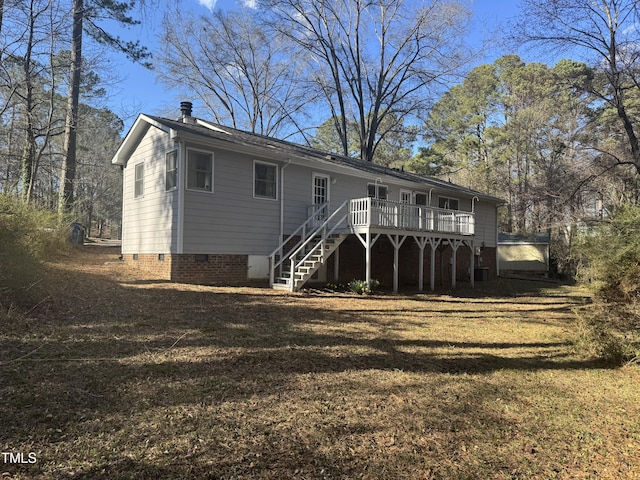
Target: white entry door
(405,209)
(320,197)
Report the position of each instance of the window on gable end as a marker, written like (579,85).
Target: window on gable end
(138,181)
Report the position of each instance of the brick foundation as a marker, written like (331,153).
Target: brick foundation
(233,269)
(189,268)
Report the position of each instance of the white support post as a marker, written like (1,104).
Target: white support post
(455,244)
(292,286)
(368,258)
(368,242)
(434,244)
(472,267)
(422,243)
(396,267)
(396,241)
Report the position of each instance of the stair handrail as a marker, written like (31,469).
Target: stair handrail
(322,239)
(274,265)
(321,229)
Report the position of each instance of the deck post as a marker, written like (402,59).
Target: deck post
(455,244)
(472,267)
(434,244)
(397,242)
(368,257)
(422,242)
(336,264)
(396,261)
(367,243)
(453,266)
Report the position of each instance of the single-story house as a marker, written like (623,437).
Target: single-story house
(205,203)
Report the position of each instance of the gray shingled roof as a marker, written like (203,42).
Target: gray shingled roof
(238,137)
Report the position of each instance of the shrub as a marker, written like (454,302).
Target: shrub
(610,256)
(610,262)
(28,236)
(361,287)
(610,332)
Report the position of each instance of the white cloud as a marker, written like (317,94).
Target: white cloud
(210,4)
(250,3)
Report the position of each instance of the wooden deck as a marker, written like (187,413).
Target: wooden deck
(369,218)
(384,214)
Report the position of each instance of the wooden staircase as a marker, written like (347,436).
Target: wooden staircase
(291,270)
(306,265)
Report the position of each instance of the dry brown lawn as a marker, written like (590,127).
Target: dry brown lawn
(117,376)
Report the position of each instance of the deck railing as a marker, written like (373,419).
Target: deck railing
(372,212)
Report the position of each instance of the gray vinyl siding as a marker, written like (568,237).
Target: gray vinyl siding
(299,185)
(486,224)
(230,220)
(149,223)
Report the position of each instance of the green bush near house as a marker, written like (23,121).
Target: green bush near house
(361,287)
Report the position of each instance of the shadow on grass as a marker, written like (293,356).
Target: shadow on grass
(129,348)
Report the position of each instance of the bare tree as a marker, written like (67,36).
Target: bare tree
(30,37)
(605,32)
(376,62)
(239,70)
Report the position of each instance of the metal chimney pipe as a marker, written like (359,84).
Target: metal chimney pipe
(186,109)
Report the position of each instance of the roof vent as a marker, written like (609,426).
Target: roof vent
(186,109)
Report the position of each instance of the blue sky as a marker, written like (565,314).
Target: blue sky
(138,91)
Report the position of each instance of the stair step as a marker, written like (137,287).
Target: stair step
(314,254)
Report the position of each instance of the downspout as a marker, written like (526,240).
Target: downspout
(430,192)
(473,205)
(124,212)
(282,203)
(178,146)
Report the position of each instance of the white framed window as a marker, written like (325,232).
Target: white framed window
(421,198)
(320,193)
(138,181)
(199,170)
(448,203)
(265,180)
(171,170)
(378,191)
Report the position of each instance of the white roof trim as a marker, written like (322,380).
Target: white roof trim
(133,137)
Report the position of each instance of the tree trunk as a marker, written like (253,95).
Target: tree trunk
(1,16)
(28,155)
(68,171)
(29,151)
